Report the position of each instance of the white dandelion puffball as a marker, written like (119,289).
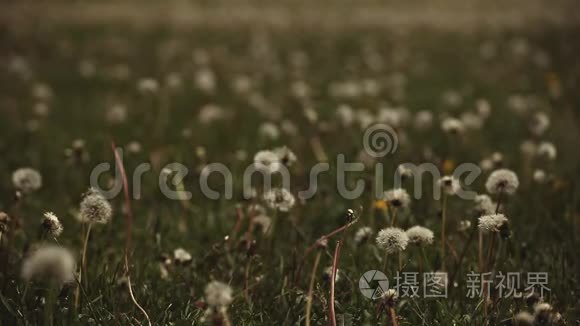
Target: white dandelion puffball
(181,256)
(397,197)
(218,294)
(540,123)
(363,234)
(51,224)
(450,185)
(267,161)
(285,155)
(95,208)
(423,120)
(392,240)
(148,85)
(492,222)
(27,180)
(523,318)
(49,262)
(484,204)
(269,131)
(539,176)
(263,222)
(502,180)
(452,126)
(327,274)
(279,199)
(420,235)
(404,171)
(547,150)
(345,115)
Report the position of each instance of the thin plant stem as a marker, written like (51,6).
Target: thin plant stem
(328,235)
(392,315)
(129,229)
(84,253)
(480,253)
(246,281)
(385,262)
(331,311)
(443,222)
(82,268)
(394,217)
(309,298)
(425,261)
(400,261)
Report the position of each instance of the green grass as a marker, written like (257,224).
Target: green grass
(543,218)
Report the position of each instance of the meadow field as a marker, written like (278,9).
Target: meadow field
(156,171)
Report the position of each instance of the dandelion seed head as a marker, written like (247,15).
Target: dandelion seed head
(27,180)
(269,130)
(464,225)
(483,108)
(4,222)
(452,126)
(345,115)
(539,176)
(486,164)
(484,204)
(420,235)
(148,85)
(523,318)
(182,256)
(51,224)
(263,222)
(502,180)
(116,114)
(492,222)
(423,120)
(450,185)
(279,199)
(547,150)
(398,198)
(327,274)
(49,262)
(539,124)
(211,113)
(267,161)
(405,171)
(218,294)
(471,121)
(362,235)
(392,240)
(94,208)
(285,155)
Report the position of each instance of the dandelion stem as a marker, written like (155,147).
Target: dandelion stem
(328,235)
(309,298)
(129,229)
(480,254)
(246,281)
(444,220)
(84,253)
(82,268)
(392,315)
(394,216)
(331,312)
(385,262)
